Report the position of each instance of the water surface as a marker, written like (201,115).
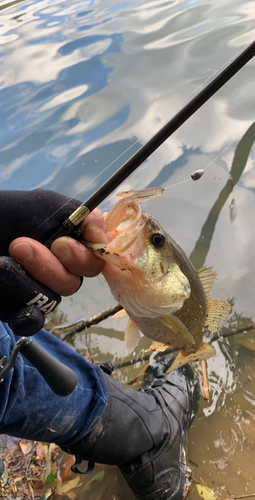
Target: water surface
(82,85)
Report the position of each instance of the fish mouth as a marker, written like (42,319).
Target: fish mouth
(124,222)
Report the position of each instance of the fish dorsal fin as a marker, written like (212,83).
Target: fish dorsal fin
(177,326)
(132,336)
(207,278)
(204,352)
(217,313)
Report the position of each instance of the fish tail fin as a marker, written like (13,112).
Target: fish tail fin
(204,352)
(217,313)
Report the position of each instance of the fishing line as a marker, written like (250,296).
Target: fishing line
(209,164)
(153,126)
(163,117)
(177,184)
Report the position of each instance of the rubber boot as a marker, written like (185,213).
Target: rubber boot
(142,432)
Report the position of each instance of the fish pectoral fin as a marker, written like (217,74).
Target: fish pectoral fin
(120,313)
(177,326)
(206,351)
(157,346)
(132,336)
(217,313)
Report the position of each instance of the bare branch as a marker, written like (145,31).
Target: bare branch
(91,321)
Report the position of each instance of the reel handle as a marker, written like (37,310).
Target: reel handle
(61,379)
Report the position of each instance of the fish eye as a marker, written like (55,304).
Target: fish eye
(158,240)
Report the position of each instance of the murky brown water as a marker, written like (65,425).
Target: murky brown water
(80,82)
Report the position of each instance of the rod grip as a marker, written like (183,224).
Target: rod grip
(61,379)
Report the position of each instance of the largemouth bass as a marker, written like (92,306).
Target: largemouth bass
(149,274)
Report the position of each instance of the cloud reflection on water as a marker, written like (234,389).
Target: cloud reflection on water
(82,82)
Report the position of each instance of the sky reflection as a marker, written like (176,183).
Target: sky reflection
(82,86)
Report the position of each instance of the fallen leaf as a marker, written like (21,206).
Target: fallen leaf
(201,492)
(51,477)
(26,446)
(50,467)
(205,492)
(67,473)
(49,494)
(40,451)
(69,485)
(53,448)
(71,495)
(38,485)
(5,476)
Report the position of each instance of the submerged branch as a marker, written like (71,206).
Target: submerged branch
(83,323)
(219,336)
(241,497)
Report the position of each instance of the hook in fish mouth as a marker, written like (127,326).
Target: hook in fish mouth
(120,244)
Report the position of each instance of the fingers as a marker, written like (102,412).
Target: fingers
(94,228)
(61,267)
(76,258)
(42,265)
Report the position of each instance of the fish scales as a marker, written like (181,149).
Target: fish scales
(149,274)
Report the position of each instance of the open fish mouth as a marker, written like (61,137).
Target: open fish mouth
(124,222)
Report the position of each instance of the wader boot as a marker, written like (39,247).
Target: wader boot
(142,432)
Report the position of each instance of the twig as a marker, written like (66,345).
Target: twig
(88,346)
(219,336)
(205,381)
(240,497)
(83,324)
(91,321)
(193,463)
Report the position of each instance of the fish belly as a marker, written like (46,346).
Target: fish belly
(155,330)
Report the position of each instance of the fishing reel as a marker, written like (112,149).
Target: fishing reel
(23,304)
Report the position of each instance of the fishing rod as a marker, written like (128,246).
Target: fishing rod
(30,318)
(75,219)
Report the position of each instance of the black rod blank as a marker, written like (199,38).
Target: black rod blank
(145,151)
(165,132)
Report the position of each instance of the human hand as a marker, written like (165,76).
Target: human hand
(60,267)
(29,218)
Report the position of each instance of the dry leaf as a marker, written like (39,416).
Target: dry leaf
(49,494)
(53,448)
(71,495)
(38,485)
(67,473)
(40,451)
(12,449)
(69,485)
(26,446)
